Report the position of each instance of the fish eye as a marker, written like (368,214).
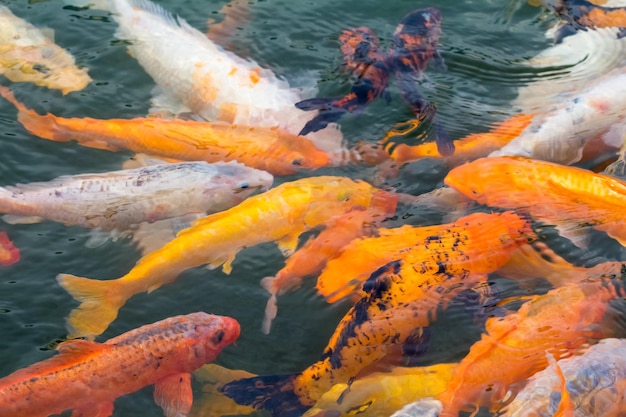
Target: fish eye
(41,68)
(297,162)
(244,185)
(217,338)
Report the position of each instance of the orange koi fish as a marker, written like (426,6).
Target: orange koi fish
(590,384)
(280,214)
(28,55)
(313,256)
(514,347)
(9,254)
(344,275)
(568,197)
(269,149)
(398,301)
(87,377)
(382,393)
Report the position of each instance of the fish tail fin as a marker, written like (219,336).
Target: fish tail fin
(330,111)
(100,303)
(271,308)
(44,126)
(273,393)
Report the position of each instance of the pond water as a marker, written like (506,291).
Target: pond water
(483,44)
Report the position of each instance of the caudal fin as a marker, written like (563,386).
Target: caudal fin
(100,302)
(43,126)
(271,308)
(273,393)
(329,112)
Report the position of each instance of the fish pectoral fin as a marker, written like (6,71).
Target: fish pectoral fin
(97,410)
(173,394)
(226,262)
(81,347)
(16,219)
(100,144)
(288,244)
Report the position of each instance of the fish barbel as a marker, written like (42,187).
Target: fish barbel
(594,380)
(211,82)
(280,214)
(269,149)
(560,134)
(120,199)
(88,376)
(514,347)
(568,197)
(27,55)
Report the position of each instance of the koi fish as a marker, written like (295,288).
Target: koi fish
(382,393)
(414,43)
(592,383)
(398,301)
(584,15)
(315,253)
(344,275)
(87,376)
(361,52)
(235,14)
(560,134)
(120,199)
(280,214)
(27,55)
(421,408)
(269,149)
(514,347)
(568,197)
(9,254)
(213,83)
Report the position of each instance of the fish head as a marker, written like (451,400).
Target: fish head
(211,334)
(415,39)
(68,79)
(241,179)
(291,153)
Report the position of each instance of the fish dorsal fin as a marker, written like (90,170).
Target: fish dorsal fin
(173,394)
(70,352)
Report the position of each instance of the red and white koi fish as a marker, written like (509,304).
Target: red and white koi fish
(87,376)
(27,55)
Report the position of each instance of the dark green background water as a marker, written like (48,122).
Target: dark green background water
(483,44)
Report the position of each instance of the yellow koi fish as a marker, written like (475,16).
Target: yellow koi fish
(27,55)
(280,214)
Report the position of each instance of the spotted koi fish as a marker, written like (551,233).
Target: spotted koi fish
(9,254)
(28,55)
(87,376)
(280,214)
(514,347)
(584,15)
(591,384)
(398,301)
(568,197)
(269,149)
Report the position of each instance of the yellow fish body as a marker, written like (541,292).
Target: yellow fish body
(280,214)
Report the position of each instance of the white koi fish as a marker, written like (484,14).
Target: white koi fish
(117,200)
(213,83)
(560,134)
(27,54)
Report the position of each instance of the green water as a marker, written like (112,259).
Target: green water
(483,43)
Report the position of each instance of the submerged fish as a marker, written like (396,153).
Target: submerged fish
(280,214)
(317,251)
(87,376)
(119,199)
(561,133)
(27,55)
(514,347)
(398,301)
(9,254)
(584,15)
(593,381)
(269,149)
(382,393)
(206,79)
(568,197)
